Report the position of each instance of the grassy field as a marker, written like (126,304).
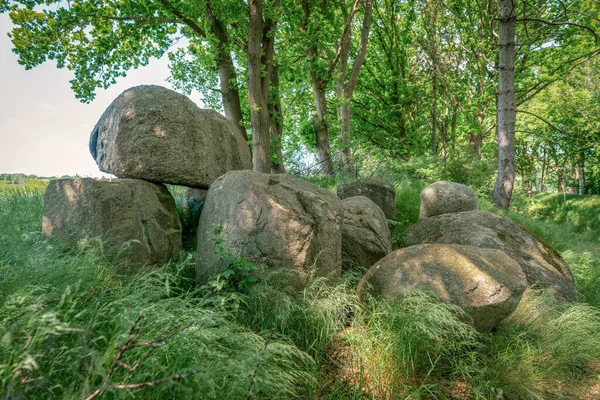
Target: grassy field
(71,327)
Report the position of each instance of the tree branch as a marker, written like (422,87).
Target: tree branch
(562,23)
(189,22)
(343,39)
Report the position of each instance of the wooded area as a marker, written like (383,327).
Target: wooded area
(506,84)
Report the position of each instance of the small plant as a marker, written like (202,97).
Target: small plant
(238,275)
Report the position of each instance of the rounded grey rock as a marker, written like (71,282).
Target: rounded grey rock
(289,227)
(156,134)
(445,197)
(136,219)
(486,283)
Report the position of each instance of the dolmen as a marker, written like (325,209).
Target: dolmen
(148,136)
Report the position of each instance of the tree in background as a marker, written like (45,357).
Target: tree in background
(556,25)
(426,89)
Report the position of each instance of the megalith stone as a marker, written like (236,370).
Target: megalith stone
(542,265)
(136,219)
(381,191)
(366,237)
(486,283)
(445,197)
(285,225)
(156,134)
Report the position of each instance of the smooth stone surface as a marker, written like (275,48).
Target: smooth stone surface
(485,283)
(445,197)
(366,237)
(381,191)
(542,265)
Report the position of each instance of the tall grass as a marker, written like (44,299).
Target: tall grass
(61,340)
(67,314)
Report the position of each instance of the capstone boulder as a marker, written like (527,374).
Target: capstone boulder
(156,134)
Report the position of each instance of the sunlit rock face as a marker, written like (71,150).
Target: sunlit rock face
(136,220)
(366,237)
(287,226)
(486,283)
(542,265)
(445,197)
(159,135)
(381,191)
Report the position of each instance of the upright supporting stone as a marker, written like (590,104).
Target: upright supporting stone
(288,226)
(381,191)
(136,219)
(445,197)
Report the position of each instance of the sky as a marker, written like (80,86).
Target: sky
(44,129)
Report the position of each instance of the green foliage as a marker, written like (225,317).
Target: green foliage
(67,315)
(238,275)
(581,252)
(63,343)
(419,338)
(310,319)
(579,213)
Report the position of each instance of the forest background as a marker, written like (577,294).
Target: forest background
(454,87)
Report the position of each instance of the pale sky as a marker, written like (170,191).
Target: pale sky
(44,129)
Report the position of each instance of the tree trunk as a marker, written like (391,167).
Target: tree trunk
(275,123)
(444,136)
(453,132)
(320,116)
(544,171)
(259,112)
(346,157)
(230,94)
(582,185)
(574,189)
(506,107)
(320,123)
(475,143)
(476,140)
(346,89)
(562,180)
(434,81)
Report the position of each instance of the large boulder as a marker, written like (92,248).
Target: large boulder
(281,223)
(381,191)
(156,134)
(366,237)
(445,197)
(136,219)
(542,265)
(485,283)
